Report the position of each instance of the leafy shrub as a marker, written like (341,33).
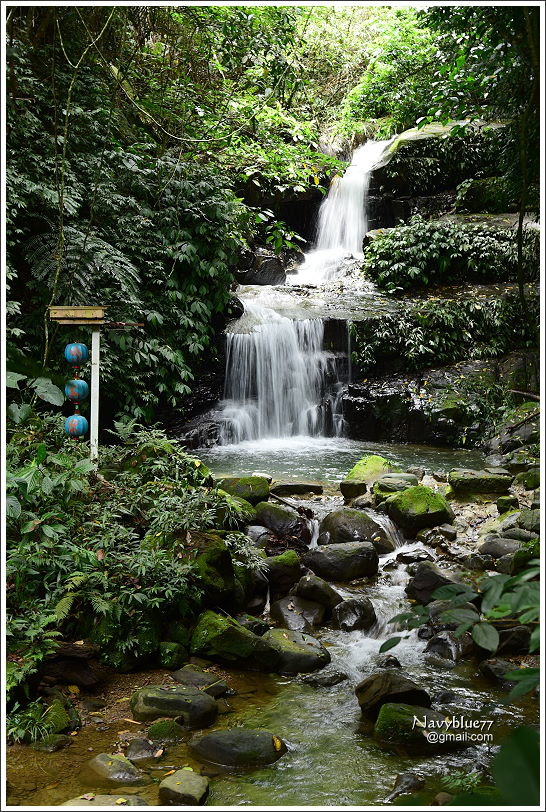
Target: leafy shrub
(423,253)
(443,332)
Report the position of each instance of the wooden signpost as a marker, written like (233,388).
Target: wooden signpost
(94,317)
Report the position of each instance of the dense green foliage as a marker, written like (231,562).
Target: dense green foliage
(440,332)
(423,254)
(107,556)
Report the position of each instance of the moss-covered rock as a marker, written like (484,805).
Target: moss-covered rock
(189,705)
(223,640)
(172,655)
(226,518)
(529,479)
(192,675)
(184,788)
(165,731)
(418,507)
(283,521)
(179,632)
(297,652)
(217,575)
(529,519)
(348,525)
(283,571)
(238,747)
(499,524)
(402,724)
(388,484)
(488,480)
(366,471)
(253,489)
(506,503)
(108,769)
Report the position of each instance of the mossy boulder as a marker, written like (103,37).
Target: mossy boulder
(401,724)
(499,524)
(366,471)
(224,517)
(388,686)
(238,747)
(217,576)
(193,676)
(253,489)
(172,655)
(487,480)
(343,562)
(297,652)
(107,769)
(190,706)
(506,503)
(529,519)
(529,479)
(283,521)
(349,525)
(388,484)
(184,788)
(418,507)
(283,571)
(165,731)
(225,641)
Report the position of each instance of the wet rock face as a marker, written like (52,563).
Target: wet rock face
(348,525)
(426,579)
(106,770)
(261,267)
(297,614)
(223,640)
(388,686)
(355,613)
(297,652)
(316,589)
(238,747)
(190,706)
(184,788)
(343,562)
(194,677)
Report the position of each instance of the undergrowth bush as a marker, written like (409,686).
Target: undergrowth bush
(106,555)
(425,253)
(439,332)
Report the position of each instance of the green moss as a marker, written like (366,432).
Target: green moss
(289,558)
(496,525)
(418,507)
(166,730)
(178,632)
(219,635)
(396,724)
(253,489)
(529,479)
(479,481)
(370,468)
(507,503)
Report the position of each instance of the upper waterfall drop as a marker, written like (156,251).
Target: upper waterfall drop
(342,221)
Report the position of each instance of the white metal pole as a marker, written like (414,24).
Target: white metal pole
(95,366)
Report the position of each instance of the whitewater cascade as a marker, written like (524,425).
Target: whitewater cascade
(280,382)
(342,221)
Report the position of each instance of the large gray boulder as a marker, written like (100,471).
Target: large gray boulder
(194,677)
(343,562)
(488,480)
(297,652)
(238,747)
(190,706)
(282,572)
(496,546)
(389,686)
(347,525)
(297,614)
(184,788)
(354,613)
(108,770)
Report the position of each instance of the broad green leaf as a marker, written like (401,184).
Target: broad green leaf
(486,636)
(390,643)
(46,390)
(516,768)
(13,378)
(13,506)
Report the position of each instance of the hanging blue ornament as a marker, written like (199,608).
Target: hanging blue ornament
(76,425)
(76,353)
(76,390)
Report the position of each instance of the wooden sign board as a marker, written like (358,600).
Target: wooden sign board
(77,314)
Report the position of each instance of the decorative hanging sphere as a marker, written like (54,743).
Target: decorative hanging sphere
(76,425)
(76,353)
(76,390)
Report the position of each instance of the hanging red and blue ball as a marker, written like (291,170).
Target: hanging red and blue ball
(76,353)
(76,425)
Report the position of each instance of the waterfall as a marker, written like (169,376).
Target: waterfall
(342,221)
(279,380)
